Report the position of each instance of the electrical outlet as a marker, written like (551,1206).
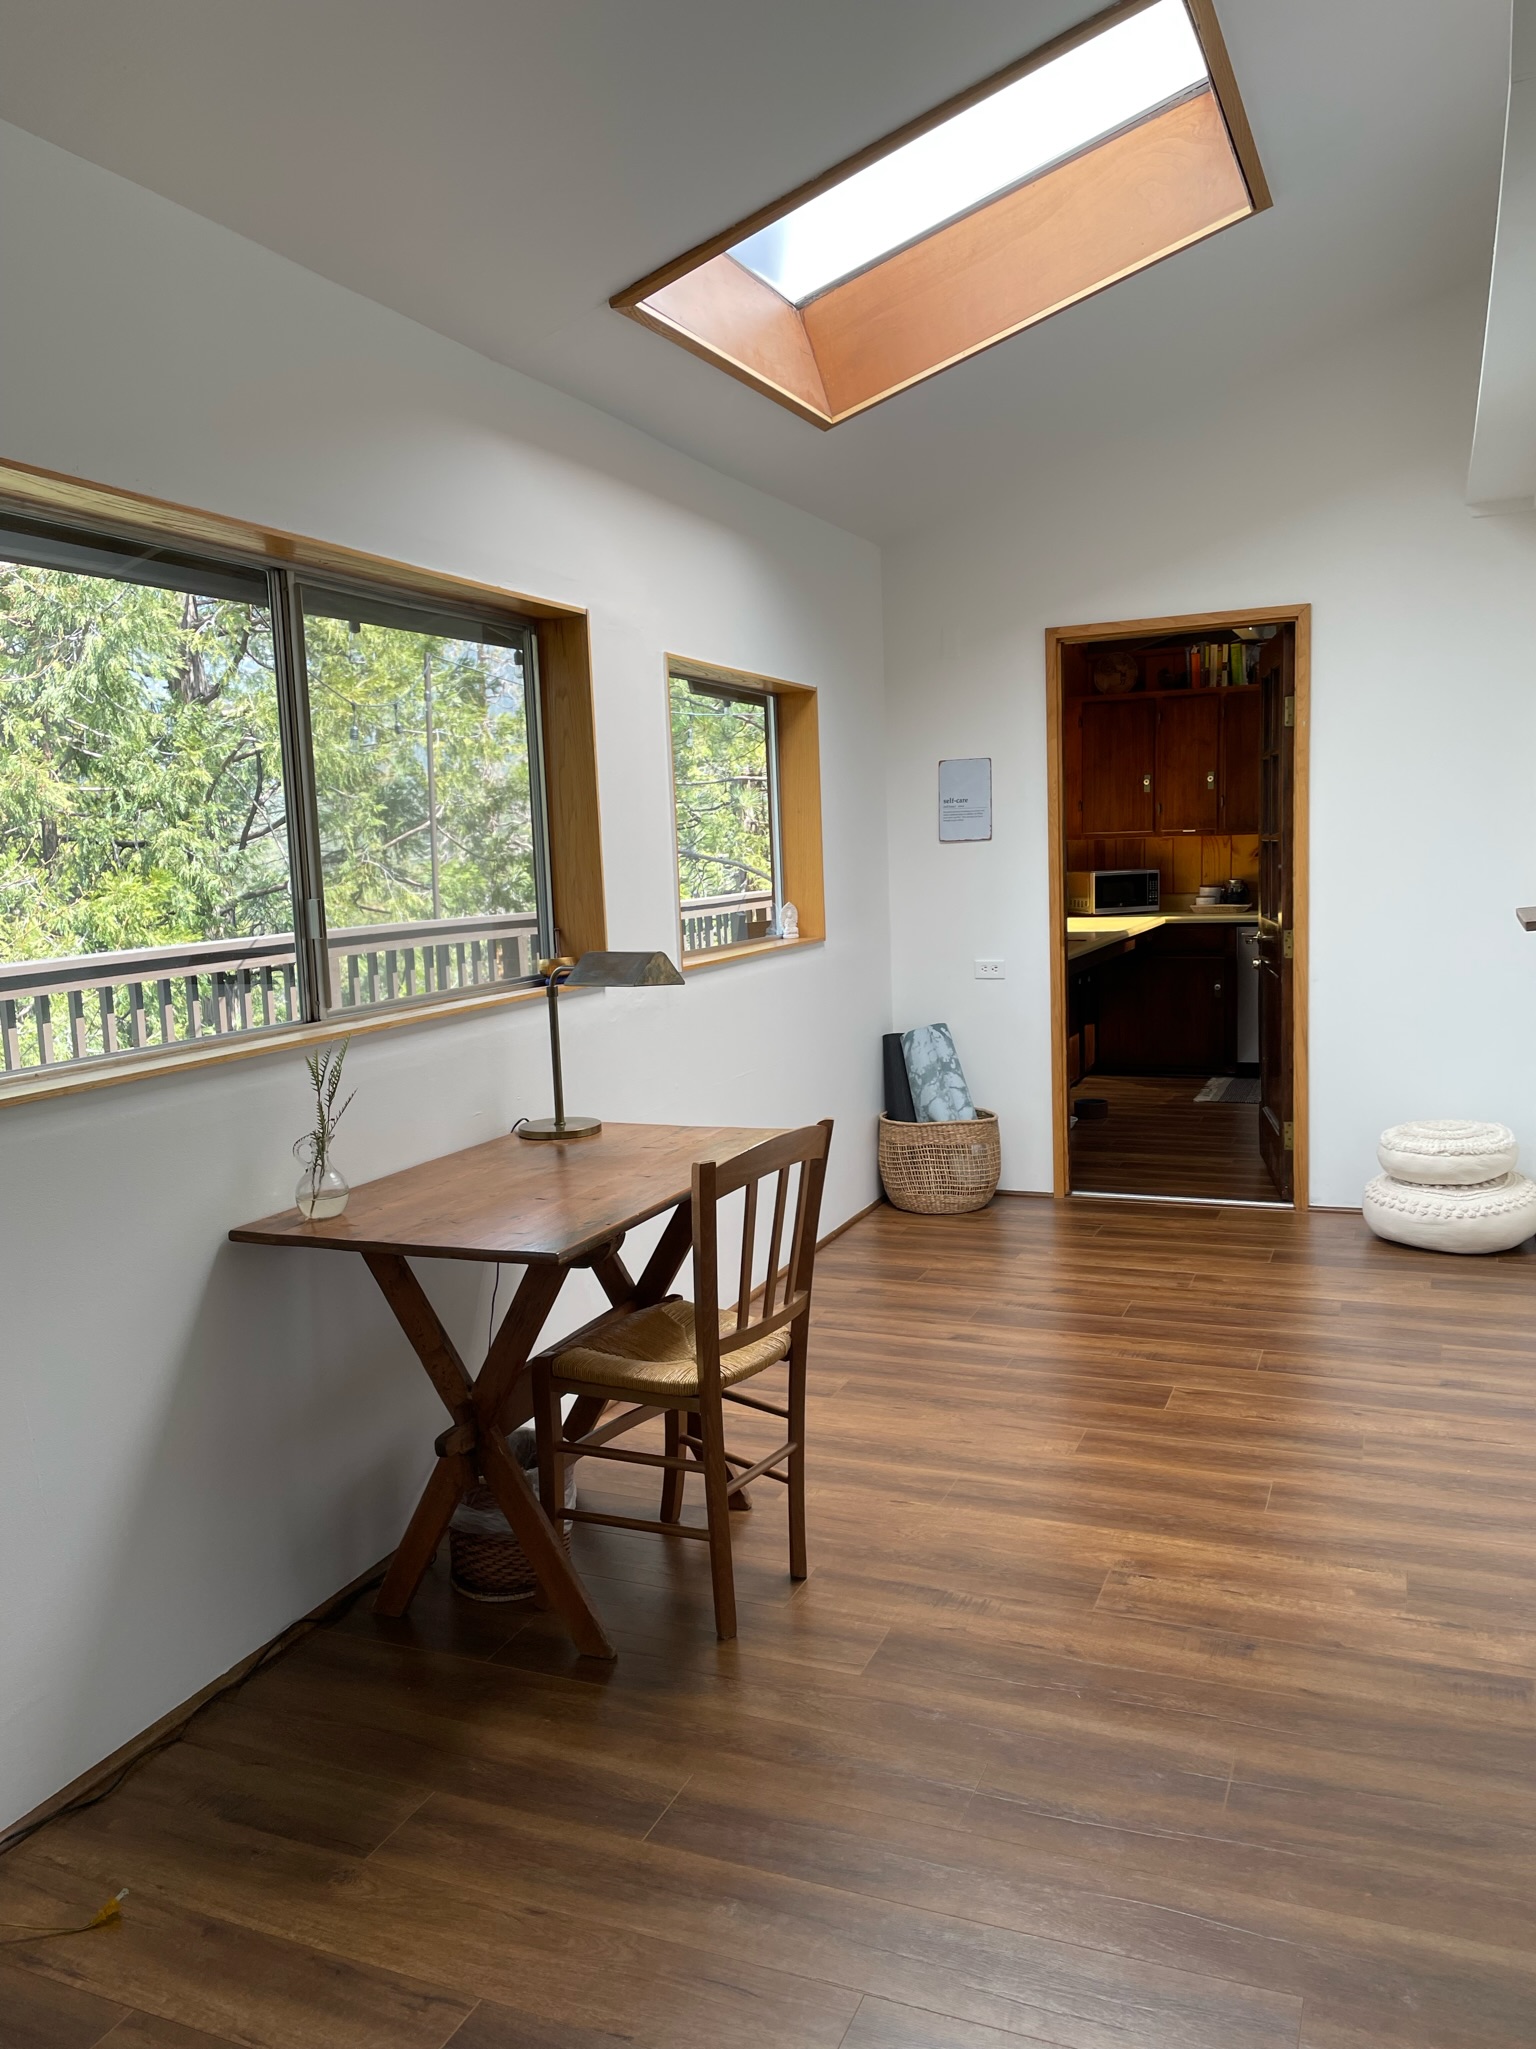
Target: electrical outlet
(989,971)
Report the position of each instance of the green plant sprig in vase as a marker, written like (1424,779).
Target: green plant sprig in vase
(322,1191)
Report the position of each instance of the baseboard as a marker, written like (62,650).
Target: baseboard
(848,1223)
(101,1778)
(92,1784)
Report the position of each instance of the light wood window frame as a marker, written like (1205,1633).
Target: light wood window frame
(1118,206)
(1299,619)
(568,736)
(800,868)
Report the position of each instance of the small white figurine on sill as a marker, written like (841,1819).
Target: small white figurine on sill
(789,922)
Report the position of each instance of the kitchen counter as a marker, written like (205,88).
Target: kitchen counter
(1120,928)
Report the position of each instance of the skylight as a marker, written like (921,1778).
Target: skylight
(1115,146)
(1041,119)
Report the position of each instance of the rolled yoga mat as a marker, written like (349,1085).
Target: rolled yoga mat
(898,1089)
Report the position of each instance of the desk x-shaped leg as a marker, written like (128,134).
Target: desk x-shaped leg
(482,1408)
(476,1443)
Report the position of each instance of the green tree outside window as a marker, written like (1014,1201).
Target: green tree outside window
(724,796)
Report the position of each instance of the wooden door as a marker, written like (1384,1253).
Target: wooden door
(1187,790)
(1277,754)
(1118,760)
(1241,743)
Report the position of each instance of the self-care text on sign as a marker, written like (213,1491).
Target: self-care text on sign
(965,799)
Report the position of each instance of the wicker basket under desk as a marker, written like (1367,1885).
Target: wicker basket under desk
(486,1560)
(939,1170)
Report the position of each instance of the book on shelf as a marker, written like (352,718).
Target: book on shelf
(1222,665)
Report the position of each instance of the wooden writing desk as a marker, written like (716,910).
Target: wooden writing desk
(548,1208)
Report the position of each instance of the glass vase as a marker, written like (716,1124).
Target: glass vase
(322,1192)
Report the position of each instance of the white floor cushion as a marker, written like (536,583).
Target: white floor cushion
(1447,1152)
(1492,1218)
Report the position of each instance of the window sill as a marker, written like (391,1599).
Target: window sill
(754,949)
(72,1078)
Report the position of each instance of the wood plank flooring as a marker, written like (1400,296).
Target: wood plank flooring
(1166,1679)
(1157,1140)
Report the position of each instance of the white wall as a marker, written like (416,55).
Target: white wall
(1338,484)
(198,1442)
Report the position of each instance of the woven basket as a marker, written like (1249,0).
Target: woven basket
(941,1169)
(488,1565)
(485,1559)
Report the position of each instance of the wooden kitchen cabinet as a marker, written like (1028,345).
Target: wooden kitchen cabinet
(1118,764)
(1170,1006)
(1185,762)
(1241,733)
(1187,778)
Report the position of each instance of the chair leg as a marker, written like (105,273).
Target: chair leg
(672,1479)
(798,1568)
(547,1428)
(716,1491)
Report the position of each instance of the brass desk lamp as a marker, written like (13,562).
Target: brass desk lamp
(592,971)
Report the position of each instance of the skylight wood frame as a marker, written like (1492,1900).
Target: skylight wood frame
(1080,225)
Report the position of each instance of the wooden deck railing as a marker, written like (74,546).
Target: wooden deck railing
(711,922)
(101,1003)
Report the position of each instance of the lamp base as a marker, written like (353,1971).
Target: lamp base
(573,1127)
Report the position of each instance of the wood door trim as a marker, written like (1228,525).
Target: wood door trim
(1300,922)
(1299,618)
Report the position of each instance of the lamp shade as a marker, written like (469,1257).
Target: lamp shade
(623,971)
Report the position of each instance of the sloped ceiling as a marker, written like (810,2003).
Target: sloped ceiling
(496,168)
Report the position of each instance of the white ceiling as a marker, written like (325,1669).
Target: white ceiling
(496,168)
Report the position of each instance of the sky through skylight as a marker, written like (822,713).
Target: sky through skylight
(1048,114)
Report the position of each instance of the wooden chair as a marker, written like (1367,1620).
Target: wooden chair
(684,1360)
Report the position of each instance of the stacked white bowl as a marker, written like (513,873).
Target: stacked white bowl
(1451,1186)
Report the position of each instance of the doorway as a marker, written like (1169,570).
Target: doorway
(1177,767)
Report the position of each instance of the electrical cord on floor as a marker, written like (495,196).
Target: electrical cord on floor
(258,1662)
(104,1917)
(111,1911)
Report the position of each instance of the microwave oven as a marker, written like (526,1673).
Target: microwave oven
(1093,891)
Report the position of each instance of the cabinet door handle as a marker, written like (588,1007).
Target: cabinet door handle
(1210,780)
(1216,991)
(1146,782)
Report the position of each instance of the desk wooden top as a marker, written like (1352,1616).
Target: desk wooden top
(526,1201)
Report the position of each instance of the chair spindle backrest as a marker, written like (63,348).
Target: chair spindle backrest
(798,1159)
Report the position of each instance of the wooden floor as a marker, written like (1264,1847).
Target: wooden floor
(1157,1140)
(1166,1679)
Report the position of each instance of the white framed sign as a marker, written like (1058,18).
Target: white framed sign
(965,799)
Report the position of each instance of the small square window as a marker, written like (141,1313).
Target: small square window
(725,775)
